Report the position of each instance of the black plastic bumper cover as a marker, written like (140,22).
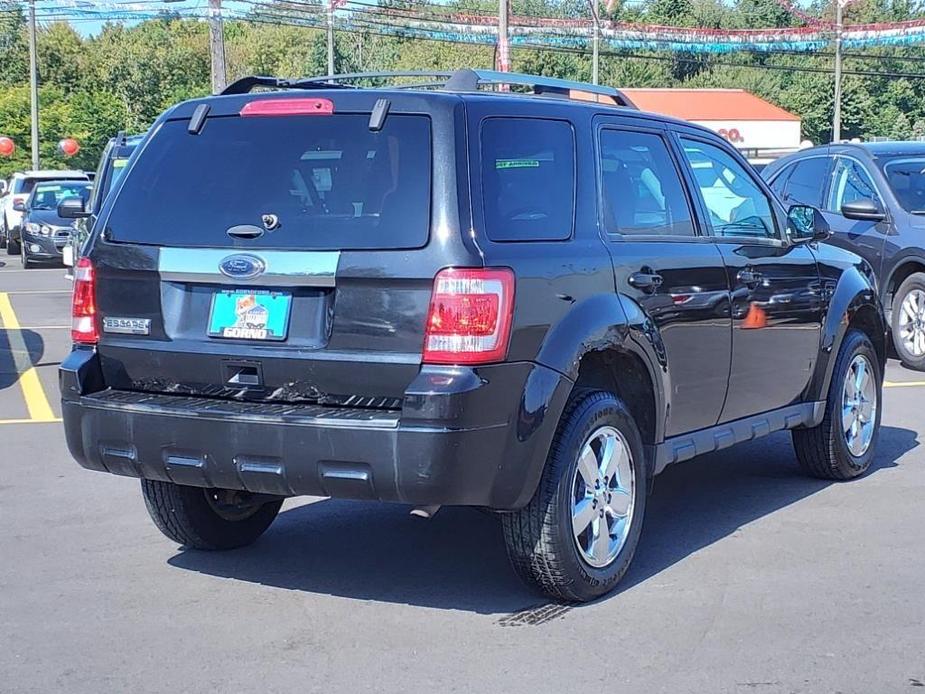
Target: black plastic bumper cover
(464,436)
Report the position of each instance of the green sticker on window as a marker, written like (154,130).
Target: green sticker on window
(517,163)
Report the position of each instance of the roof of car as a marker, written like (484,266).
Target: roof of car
(51,174)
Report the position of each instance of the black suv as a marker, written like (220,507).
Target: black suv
(519,301)
(872,195)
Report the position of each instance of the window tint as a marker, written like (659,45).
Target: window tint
(850,182)
(735,203)
(806,182)
(780,182)
(528,179)
(906,177)
(642,192)
(331,183)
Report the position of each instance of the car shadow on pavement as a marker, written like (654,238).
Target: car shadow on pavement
(34,345)
(457,560)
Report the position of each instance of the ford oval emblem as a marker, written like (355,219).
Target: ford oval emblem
(242,266)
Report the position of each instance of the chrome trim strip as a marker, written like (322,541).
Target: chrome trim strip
(283,268)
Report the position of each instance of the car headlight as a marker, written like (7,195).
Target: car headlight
(33,228)
(46,230)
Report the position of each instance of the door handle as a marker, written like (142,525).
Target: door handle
(749,277)
(646,280)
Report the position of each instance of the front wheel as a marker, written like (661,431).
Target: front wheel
(27,262)
(577,536)
(12,247)
(201,518)
(908,321)
(842,445)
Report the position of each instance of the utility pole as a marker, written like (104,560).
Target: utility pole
(504,50)
(331,37)
(595,42)
(216,46)
(836,115)
(33,87)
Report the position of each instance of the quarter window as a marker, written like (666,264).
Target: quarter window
(640,186)
(528,179)
(850,182)
(737,206)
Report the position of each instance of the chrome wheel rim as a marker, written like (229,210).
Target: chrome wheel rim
(859,405)
(603,497)
(912,323)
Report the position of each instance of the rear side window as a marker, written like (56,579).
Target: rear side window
(806,182)
(309,182)
(528,179)
(640,186)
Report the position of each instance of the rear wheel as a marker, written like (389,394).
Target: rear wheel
(12,247)
(577,536)
(908,321)
(207,518)
(4,233)
(842,445)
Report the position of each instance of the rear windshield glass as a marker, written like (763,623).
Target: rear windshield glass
(316,182)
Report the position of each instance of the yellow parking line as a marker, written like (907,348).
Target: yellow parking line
(32,391)
(902,384)
(29,421)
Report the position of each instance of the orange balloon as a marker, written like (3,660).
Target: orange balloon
(7,147)
(69,146)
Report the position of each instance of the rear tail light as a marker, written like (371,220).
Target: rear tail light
(84,327)
(469,321)
(288,107)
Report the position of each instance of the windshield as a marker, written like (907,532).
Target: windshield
(288,182)
(906,177)
(46,196)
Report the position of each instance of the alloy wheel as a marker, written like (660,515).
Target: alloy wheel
(603,496)
(859,405)
(912,323)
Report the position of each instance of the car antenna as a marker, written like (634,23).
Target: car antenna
(198,119)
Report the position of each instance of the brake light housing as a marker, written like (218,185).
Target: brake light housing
(84,324)
(288,107)
(470,316)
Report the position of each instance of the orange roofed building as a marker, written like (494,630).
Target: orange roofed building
(747,121)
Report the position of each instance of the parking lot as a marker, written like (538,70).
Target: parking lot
(750,577)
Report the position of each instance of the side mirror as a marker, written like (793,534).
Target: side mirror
(865,210)
(19,205)
(806,223)
(72,208)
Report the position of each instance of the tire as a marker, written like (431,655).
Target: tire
(542,546)
(187,516)
(902,323)
(823,451)
(4,234)
(12,247)
(27,263)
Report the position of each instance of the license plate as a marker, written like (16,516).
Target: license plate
(250,315)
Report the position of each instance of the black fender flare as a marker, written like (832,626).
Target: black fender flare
(855,292)
(905,258)
(608,322)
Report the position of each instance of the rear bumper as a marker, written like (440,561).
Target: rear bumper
(464,437)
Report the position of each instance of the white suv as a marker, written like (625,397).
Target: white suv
(17,190)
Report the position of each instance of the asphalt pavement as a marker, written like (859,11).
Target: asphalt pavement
(749,578)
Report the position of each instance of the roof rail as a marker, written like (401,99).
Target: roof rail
(464,80)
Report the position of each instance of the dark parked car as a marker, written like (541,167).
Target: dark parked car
(112,165)
(873,197)
(450,296)
(43,232)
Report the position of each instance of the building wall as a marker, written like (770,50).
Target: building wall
(758,134)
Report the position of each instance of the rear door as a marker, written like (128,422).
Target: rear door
(278,257)
(666,268)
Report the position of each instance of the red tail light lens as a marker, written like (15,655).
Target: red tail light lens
(469,321)
(288,107)
(84,328)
